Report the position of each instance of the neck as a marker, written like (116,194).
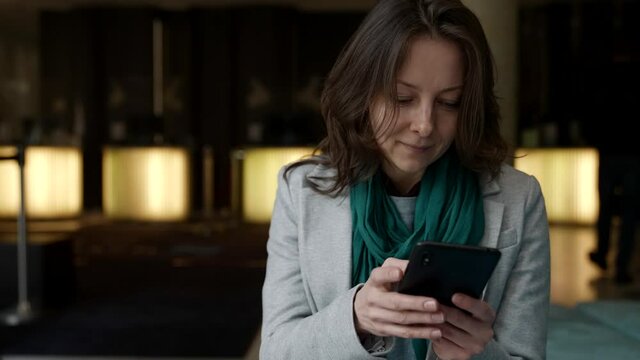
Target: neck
(400,184)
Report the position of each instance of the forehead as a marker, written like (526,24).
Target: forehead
(432,63)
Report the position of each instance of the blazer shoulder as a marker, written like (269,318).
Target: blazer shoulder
(300,176)
(512,183)
(509,174)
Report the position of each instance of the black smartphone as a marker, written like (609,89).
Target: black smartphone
(440,270)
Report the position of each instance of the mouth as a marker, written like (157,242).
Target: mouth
(417,148)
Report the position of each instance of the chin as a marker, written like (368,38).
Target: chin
(412,168)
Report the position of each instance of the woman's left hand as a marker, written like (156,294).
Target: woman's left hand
(464,335)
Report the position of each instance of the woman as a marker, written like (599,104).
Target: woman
(413,152)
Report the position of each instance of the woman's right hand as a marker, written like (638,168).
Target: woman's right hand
(381,311)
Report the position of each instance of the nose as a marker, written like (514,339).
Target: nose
(422,122)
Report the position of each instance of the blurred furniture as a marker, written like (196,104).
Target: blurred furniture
(146,183)
(53,182)
(23,311)
(569,181)
(155,291)
(51,271)
(255,179)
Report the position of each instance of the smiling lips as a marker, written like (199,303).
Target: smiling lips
(416,148)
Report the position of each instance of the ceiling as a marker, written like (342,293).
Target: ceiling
(173,4)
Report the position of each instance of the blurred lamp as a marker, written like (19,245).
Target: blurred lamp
(53,182)
(146,183)
(255,179)
(569,181)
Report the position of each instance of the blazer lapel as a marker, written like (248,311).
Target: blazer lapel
(493,211)
(492,223)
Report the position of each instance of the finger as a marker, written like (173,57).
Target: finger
(384,276)
(459,319)
(402,302)
(470,333)
(400,264)
(477,308)
(405,317)
(446,349)
(409,332)
(458,336)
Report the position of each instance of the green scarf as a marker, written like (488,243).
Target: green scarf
(448,209)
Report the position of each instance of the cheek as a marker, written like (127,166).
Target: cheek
(449,128)
(385,142)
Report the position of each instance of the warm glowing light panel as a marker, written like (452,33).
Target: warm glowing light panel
(569,181)
(259,181)
(53,182)
(146,183)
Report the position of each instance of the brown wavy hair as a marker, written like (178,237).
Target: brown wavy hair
(367,68)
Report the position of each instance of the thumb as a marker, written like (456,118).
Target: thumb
(400,264)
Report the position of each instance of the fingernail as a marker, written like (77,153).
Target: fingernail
(438,317)
(436,334)
(430,305)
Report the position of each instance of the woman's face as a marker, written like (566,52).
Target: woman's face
(429,88)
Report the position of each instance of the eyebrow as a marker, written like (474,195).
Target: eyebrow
(451,88)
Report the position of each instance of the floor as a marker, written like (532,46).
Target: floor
(574,279)
(147,291)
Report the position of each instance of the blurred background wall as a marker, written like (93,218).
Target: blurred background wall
(213,76)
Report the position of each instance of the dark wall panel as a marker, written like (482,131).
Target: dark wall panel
(264,47)
(213,88)
(128,71)
(320,38)
(58,58)
(577,69)
(232,77)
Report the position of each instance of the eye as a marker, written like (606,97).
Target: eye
(404,100)
(449,104)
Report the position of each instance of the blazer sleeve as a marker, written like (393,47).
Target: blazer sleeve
(290,329)
(521,322)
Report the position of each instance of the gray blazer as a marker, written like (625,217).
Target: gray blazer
(307,294)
